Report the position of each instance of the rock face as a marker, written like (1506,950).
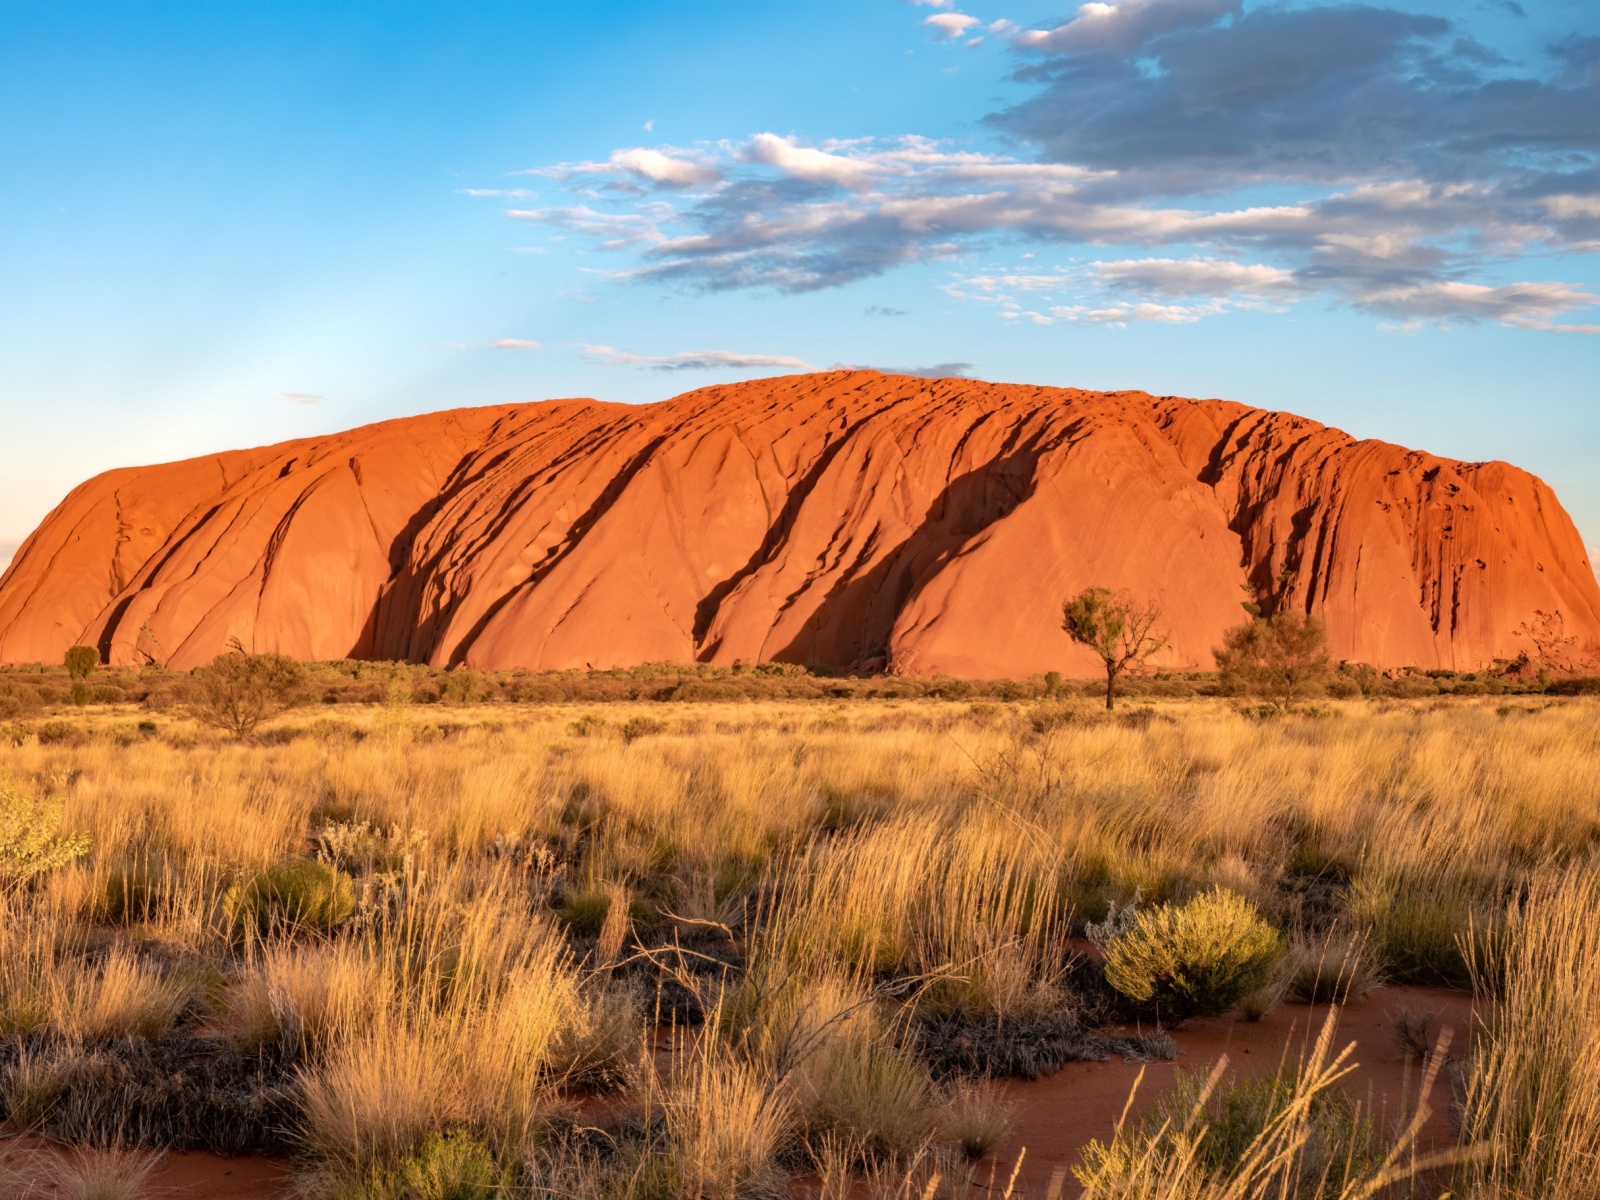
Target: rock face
(850,518)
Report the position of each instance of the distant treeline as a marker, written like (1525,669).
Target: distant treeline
(27,690)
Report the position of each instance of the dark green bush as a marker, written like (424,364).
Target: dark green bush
(300,895)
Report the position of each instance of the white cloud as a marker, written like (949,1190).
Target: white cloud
(1526,305)
(300,397)
(668,166)
(515,344)
(1124,25)
(510,193)
(1195,276)
(690,360)
(1567,207)
(615,230)
(951,24)
(935,3)
(1095,293)
(813,166)
(1118,315)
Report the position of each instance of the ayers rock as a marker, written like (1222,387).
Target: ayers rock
(850,518)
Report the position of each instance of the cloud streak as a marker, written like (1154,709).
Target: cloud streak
(299,398)
(691,360)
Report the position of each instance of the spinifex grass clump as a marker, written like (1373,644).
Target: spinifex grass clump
(1330,968)
(1532,1105)
(1194,960)
(303,895)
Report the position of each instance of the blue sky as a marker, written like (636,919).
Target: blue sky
(230,224)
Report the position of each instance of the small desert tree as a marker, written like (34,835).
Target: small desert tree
(1116,627)
(239,691)
(81,661)
(1279,658)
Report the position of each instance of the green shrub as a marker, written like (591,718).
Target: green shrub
(584,913)
(642,727)
(462,686)
(61,733)
(30,842)
(1223,1136)
(292,896)
(1416,933)
(449,1166)
(1195,960)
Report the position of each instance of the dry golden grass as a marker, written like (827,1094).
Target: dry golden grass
(105,1175)
(857,865)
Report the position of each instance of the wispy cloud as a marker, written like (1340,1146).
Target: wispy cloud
(691,360)
(515,344)
(666,166)
(1224,159)
(950,24)
(1126,24)
(1122,291)
(299,398)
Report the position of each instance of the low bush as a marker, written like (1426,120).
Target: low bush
(301,895)
(31,844)
(111,1174)
(1194,960)
(1329,969)
(447,1166)
(1417,932)
(120,996)
(1213,1135)
(975,1119)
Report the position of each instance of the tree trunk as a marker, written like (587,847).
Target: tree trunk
(1111,684)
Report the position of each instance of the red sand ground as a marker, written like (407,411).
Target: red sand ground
(847,518)
(1056,1117)
(193,1176)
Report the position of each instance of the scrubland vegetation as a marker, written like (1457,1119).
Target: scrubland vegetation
(628,948)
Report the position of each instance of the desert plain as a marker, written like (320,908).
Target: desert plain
(809,830)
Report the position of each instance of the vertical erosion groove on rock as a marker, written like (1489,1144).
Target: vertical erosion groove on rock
(848,519)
